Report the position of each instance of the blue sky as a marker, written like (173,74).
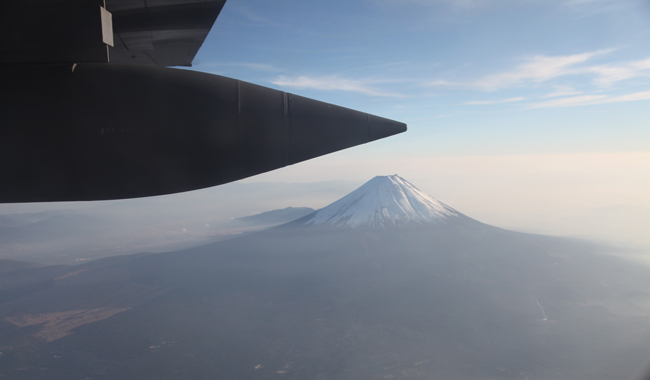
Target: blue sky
(468,76)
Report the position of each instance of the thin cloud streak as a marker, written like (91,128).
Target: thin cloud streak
(587,100)
(481,4)
(332,83)
(610,74)
(562,91)
(540,69)
(489,102)
(536,70)
(441,116)
(253,16)
(249,65)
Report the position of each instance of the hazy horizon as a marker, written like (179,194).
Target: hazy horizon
(488,189)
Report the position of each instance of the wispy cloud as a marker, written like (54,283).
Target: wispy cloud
(612,73)
(483,4)
(252,16)
(446,83)
(248,65)
(500,101)
(534,70)
(463,4)
(585,100)
(585,2)
(586,8)
(562,91)
(540,69)
(333,83)
(441,116)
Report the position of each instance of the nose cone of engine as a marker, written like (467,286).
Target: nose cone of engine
(319,128)
(106,131)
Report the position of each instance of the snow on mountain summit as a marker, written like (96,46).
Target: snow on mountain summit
(383,201)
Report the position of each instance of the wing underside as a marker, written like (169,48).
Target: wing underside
(140,32)
(160,33)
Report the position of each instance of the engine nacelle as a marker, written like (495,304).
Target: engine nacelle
(110,131)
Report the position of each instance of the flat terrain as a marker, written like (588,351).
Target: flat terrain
(468,302)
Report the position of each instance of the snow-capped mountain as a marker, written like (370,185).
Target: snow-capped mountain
(381,202)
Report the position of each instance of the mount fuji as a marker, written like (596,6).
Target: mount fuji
(382,202)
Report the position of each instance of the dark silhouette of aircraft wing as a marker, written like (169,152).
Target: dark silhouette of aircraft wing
(87,115)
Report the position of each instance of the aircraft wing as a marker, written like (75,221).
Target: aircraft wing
(87,115)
